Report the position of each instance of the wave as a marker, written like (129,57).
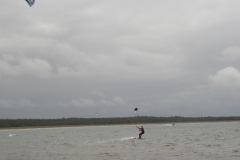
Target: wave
(10,135)
(112,140)
(168,125)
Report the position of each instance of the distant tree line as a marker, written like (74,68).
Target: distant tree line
(11,123)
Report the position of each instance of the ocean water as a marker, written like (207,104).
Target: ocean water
(183,141)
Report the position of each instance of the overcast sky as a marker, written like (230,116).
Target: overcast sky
(76,58)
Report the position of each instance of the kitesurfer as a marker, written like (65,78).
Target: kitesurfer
(141,129)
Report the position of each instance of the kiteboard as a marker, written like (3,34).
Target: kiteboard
(137,138)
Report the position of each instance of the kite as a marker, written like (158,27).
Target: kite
(30,2)
(135,110)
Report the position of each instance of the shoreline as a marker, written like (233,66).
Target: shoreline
(97,125)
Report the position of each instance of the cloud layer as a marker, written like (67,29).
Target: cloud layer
(177,58)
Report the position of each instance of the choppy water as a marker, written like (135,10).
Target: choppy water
(185,141)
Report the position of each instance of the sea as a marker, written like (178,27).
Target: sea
(182,141)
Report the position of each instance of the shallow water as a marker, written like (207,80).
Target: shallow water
(183,141)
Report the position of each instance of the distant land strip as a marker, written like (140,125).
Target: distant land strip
(22,123)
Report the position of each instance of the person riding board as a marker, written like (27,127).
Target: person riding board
(141,129)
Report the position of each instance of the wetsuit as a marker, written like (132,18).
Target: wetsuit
(141,132)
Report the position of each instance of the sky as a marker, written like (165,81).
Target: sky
(61,59)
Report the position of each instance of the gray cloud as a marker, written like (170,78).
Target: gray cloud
(60,59)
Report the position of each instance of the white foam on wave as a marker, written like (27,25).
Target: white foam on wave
(10,135)
(112,140)
(168,125)
(127,138)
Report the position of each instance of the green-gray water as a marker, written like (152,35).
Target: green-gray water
(184,141)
